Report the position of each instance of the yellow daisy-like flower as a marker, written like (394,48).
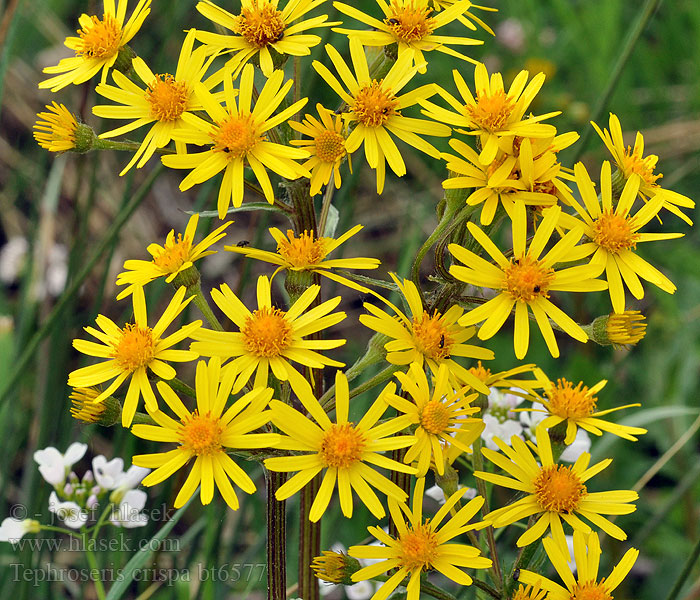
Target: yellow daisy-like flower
(505,379)
(262,29)
(346,452)
(438,413)
(207,434)
(493,114)
(269,338)
(501,182)
(422,545)
(586,584)
(531,592)
(98,44)
(304,253)
(525,281)
(554,492)
(411,25)
(55,130)
(163,102)
(238,138)
(614,234)
(326,146)
(175,256)
(375,109)
(631,161)
(577,406)
(425,338)
(132,350)
(625,329)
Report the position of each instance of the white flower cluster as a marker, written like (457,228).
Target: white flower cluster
(73,499)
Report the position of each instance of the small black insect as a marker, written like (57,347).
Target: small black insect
(536,289)
(516,574)
(441,343)
(392,21)
(243,243)
(516,261)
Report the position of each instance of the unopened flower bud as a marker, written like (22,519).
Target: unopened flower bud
(618,329)
(106,413)
(335,567)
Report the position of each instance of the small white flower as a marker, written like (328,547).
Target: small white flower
(435,492)
(581,444)
(53,465)
(110,475)
(502,430)
(499,419)
(128,514)
(530,421)
(363,590)
(12,530)
(69,512)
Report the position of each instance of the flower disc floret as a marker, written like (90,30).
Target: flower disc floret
(261,25)
(373,105)
(303,251)
(201,434)
(342,446)
(330,146)
(100,38)
(567,401)
(559,489)
(419,547)
(527,279)
(236,136)
(614,232)
(266,332)
(167,97)
(409,23)
(491,111)
(435,417)
(135,348)
(590,590)
(431,337)
(175,253)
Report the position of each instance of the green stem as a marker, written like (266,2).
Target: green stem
(57,529)
(486,588)
(92,562)
(276,539)
(204,307)
(381,377)
(645,14)
(181,386)
(110,236)
(327,198)
(309,542)
(125,145)
(96,528)
(687,567)
(435,592)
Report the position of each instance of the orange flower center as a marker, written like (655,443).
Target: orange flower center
(419,548)
(480,372)
(490,113)
(626,328)
(614,232)
(260,24)
(526,279)
(168,98)
(135,348)
(341,446)
(100,39)
(330,146)
(435,417)
(632,162)
(431,337)
(303,251)
(559,489)
(373,105)
(409,23)
(267,333)
(590,590)
(201,434)
(174,254)
(236,136)
(570,402)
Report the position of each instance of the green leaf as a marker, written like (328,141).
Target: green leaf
(249,206)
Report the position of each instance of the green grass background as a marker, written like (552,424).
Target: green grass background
(72,200)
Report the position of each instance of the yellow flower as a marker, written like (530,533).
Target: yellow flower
(98,44)
(631,161)
(504,379)
(85,408)
(269,338)
(525,281)
(326,146)
(438,414)
(626,328)
(263,30)
(425,338)
(422,545)
(174,257)
(577,406)
(466,17)
(334,567)
(238,138)
(163,102)
(587,559)
(493,114)
(375,109)
(132,350)
(614,234)
(206,434)
(412,25)
(304,253)
(348,453)
(56,132)
(531,592)
(554,492)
